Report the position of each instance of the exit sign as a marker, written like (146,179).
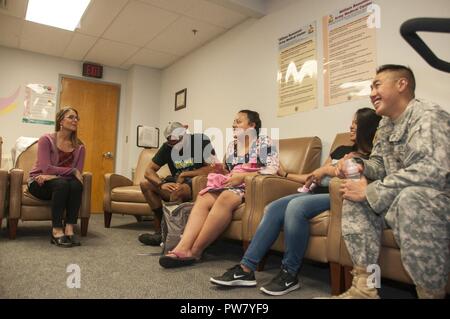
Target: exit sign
(93,70)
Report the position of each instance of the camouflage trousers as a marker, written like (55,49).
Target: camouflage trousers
(420,221)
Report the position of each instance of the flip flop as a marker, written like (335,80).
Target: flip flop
(178,261)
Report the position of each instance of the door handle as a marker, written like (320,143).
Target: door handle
(109,155)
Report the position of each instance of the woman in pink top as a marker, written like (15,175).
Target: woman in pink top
(56,176)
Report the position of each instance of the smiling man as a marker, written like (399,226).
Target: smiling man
(410,170)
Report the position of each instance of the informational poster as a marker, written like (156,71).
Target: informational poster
(349,53)
(40,104)
(297,74)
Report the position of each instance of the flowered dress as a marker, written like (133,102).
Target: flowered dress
(262,156)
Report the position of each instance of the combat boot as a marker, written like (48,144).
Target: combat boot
(423,293)
(359,288)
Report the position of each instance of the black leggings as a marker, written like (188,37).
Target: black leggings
(65,195)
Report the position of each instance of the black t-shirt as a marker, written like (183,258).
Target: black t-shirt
(341,151)
(197,148)
(337,154)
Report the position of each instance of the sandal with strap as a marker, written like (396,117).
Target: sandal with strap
(180,260)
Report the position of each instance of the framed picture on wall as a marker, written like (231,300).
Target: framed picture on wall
(180,99)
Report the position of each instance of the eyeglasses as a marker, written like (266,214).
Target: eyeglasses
(73,117)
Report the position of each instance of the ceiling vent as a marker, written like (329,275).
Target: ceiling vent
(4,4)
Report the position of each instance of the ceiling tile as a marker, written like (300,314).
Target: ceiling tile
(99,16)
(215,14)
(179,39)
(178,6)
(10,30)
(151,59)
(44,39)
(16,8)
(79,46)
(138,23)
(110,53)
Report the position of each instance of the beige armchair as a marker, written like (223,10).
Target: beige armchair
(297,155)
(4,183)
(389,260)
(26,207)
(3,187)
(124,196)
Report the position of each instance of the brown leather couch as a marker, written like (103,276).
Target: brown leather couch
(297,155)
(389,260)
(124,196)
(24,206)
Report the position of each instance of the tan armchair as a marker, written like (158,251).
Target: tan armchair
(297,155)
(3,193)
(389,260)
(3,187)
(124,196)
(26,207)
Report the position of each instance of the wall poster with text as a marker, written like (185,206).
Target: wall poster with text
(349,53)
(40,104)
(297,74)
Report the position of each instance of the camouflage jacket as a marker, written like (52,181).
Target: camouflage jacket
(415,151)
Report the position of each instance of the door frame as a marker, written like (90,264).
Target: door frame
(60,78)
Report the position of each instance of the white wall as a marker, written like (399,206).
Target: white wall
(143,104)
(139,98)
(238,70)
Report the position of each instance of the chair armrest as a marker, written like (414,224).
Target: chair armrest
(198,183)
(85,209)
(3,191)
(260,191)
(15,193)
(112,181)
(335,240)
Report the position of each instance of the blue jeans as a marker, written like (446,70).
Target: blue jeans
(292,214)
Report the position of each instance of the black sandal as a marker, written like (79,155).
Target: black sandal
(177,261)
(74,240)
(62,241)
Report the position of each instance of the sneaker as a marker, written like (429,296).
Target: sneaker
(150,239)
(281,284)
(236,277)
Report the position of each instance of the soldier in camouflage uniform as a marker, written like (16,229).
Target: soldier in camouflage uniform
(410,192)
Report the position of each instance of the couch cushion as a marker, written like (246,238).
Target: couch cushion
(318,226)
(239,212)
(388,239)
(30,200)
(128,194)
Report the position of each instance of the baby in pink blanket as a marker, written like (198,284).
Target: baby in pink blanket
(217,181)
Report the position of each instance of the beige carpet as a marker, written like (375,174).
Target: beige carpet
(112,266)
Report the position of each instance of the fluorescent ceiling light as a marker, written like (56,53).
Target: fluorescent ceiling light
(64,14)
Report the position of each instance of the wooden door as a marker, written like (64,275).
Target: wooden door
(97,105)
